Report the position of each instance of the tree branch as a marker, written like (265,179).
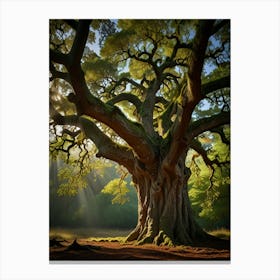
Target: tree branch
(219,25)
(216,53)
(148,105)
(72,23)
(106,147)
(63,120)
(178,46)
(133,133)
(119,82)
(59,57)
(138,57)
(58,74)
(220,131)
(72,120)
(128,97)
(170,76)
(215,85)
(73,134)
(207,124)
(87,104)
(80,40)
(162,100)
(195,145)
(171,62)
(190,93)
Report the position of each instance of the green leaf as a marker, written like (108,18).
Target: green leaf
(97,69)
(118,189)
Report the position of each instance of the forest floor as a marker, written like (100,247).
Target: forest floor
(92,249)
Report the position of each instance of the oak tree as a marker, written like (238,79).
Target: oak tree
(145,94)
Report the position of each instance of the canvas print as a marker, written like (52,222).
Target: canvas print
(139,139)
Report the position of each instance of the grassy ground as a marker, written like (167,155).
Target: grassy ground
(222,233)
(96,233)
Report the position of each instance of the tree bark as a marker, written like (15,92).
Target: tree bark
(164,211)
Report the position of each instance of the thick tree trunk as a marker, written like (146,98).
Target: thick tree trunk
(164,210)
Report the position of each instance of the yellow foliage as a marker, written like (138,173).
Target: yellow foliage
(140,69)
(118,189)
(73,180)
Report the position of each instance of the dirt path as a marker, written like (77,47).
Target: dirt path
(105,250)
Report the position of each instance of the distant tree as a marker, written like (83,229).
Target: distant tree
(95,206)
(155,96)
